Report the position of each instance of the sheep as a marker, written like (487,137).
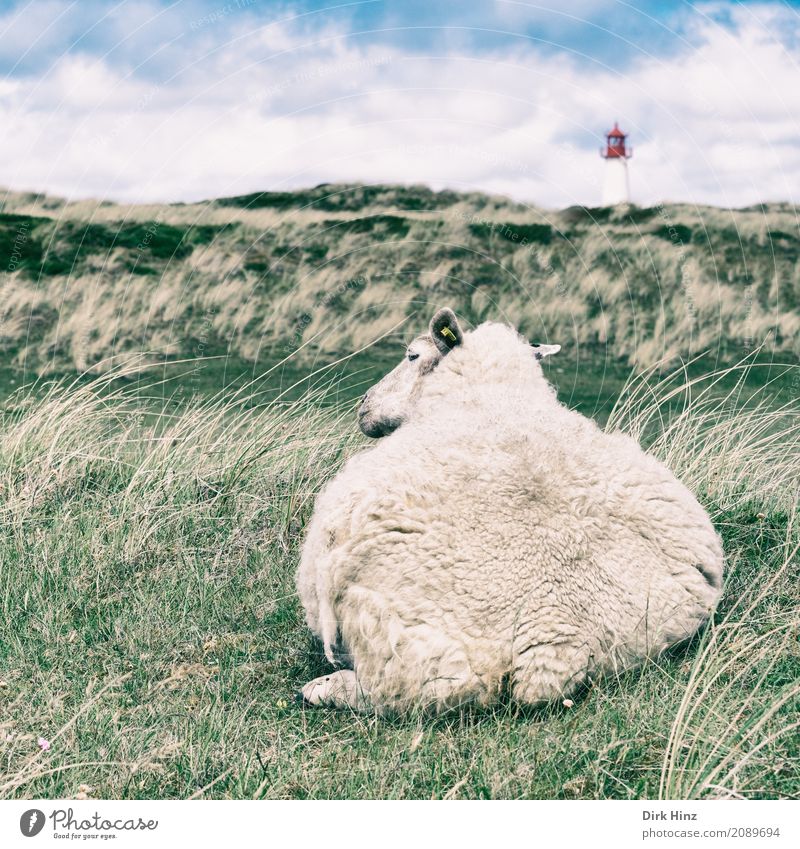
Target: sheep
(492,540)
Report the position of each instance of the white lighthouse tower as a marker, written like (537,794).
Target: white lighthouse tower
(616,188)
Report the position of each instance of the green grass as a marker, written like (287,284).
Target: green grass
(382,226)
(39,247)
(513,232)
(330,197)
(150,631)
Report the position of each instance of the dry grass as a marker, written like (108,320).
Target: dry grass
(340,265)
(739,453)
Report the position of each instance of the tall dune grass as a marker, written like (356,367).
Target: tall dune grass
(342,264)
(150,631)
(742,456)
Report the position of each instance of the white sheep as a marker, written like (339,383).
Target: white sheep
(495,538)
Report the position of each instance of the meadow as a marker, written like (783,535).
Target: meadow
(160,461)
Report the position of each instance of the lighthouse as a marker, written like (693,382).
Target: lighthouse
(616,154)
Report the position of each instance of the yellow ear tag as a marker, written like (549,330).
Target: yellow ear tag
(448,334)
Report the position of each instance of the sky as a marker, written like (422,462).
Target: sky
(139,100)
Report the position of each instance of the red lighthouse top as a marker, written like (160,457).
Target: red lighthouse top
(615,145)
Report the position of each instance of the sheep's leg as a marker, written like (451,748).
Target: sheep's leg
(408,663)
(338,690)
(546,671)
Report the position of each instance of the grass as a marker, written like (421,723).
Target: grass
(149,628)
(329,269)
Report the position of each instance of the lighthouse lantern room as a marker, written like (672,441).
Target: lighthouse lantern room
(616,154)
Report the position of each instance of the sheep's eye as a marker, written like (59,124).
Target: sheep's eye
(412,356)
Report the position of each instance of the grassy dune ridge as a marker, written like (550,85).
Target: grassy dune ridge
(151,633)
(331,269)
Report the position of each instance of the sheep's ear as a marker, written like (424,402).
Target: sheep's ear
(542,351)
(445,330)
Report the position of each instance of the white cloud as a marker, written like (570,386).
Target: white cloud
(283,106)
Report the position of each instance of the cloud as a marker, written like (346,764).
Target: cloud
(222,102)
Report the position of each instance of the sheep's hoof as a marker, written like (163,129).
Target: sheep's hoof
(318,692)
(339,690)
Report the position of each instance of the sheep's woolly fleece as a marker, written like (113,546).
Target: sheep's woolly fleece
(497,539)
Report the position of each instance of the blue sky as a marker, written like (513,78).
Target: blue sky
(148,101)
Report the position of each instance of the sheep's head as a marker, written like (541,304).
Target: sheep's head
(390,402)
(386,406)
